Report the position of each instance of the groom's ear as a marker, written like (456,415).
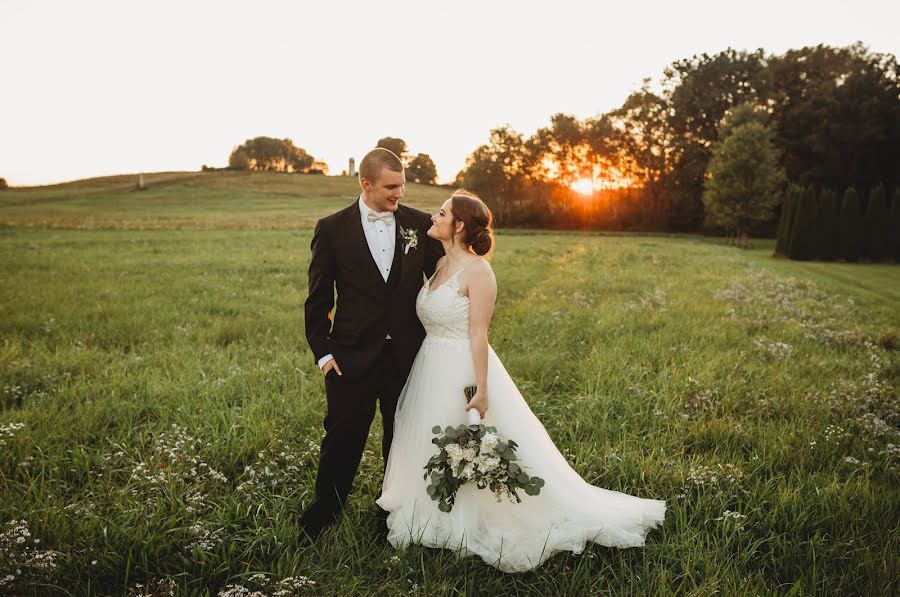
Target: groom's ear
(365,184)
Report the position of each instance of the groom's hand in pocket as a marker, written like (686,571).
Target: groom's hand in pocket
(332,364)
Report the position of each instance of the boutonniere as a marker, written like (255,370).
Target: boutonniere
(411,237)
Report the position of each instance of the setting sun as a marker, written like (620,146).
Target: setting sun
(583,186)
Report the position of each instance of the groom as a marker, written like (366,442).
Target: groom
(374,253)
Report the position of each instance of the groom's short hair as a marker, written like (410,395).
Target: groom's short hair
(377,159)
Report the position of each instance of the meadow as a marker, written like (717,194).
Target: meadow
(160,411)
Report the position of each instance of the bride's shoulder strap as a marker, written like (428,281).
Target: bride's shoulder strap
(466,266)
(483,261)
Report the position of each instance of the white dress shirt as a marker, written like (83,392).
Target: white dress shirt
(382,239)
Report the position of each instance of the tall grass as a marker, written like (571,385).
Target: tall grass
(160,415)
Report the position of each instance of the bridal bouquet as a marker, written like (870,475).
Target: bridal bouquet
(475,453)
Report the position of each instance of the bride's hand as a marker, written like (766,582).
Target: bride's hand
(479,402)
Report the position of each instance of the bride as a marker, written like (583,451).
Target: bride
(455,306)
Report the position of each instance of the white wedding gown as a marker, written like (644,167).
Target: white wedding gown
(512,537)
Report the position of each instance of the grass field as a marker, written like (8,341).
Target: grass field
(192,200)
(160,411)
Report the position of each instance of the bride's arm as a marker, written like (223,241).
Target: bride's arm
(482,290)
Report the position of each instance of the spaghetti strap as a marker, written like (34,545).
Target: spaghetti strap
(453,278)
(465,267)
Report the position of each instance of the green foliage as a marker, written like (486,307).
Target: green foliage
(851,226)
(829,225)
(743,181)
(497,172)
(421,169)
(837,111)
(504,478)
(786,221)
(876,225)
(240,159)
(894,231)
(738,116)
(394,144)
(701,91)
(266,153)
(636,141)
(802,245)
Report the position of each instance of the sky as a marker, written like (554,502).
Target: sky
(93,87)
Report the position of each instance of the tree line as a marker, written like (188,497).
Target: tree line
(826,117)
(823,225)
(276,155)
(281,155)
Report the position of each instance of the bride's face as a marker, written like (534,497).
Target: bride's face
(442,223)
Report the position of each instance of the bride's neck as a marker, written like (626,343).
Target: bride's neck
(456,254)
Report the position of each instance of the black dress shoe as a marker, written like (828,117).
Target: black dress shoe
(313,529)
(316,521)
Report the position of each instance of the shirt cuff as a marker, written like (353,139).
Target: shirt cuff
(324,360)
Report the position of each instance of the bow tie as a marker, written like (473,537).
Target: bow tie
(387,217)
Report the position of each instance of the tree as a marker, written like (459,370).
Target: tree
(743,180)
(876,225)
(559,156)
(560,152)
(803,232)
(699,91)
(837,115)
(829,227)
(631,147)
(895,224)
(497,171)
(398,146)
(239,159)
(3,185)
(851,229)
(266,153)
(421,169)
(786,222)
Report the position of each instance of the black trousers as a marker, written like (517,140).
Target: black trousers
(351,409)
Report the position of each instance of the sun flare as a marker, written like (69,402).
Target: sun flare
(583,186)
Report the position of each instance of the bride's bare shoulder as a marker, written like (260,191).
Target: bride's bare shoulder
(480,272)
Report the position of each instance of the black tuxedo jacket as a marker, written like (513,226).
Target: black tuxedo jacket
(368,308)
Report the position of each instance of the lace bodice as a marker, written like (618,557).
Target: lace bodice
(443,310)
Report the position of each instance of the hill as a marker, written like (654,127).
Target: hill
(192,200)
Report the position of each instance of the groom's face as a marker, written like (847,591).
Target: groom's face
(386,191)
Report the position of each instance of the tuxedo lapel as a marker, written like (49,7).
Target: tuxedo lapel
(400,221)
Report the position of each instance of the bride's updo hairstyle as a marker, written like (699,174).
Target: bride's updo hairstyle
(478,222)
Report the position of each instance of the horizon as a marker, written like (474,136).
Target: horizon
(131,91)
